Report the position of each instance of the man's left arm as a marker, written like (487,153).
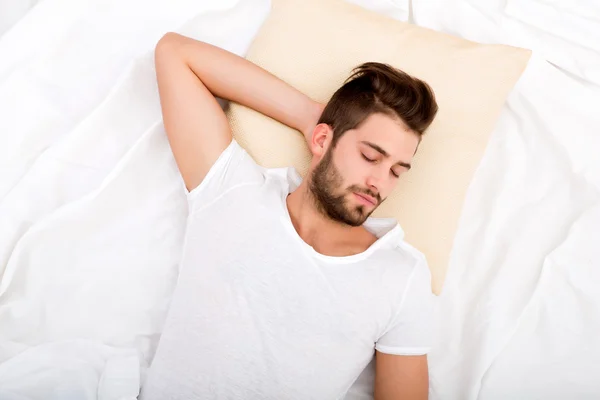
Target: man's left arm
(401,352)
(401,377)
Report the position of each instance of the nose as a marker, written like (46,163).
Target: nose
(374,181)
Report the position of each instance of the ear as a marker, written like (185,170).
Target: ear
(320,140)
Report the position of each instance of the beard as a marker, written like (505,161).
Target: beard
(331,199)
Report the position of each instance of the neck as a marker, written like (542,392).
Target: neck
(321,232)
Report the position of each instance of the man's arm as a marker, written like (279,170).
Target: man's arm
(190,74)
(401,377)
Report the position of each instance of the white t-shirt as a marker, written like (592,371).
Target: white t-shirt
(259,314)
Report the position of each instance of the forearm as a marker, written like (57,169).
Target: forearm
(234,78)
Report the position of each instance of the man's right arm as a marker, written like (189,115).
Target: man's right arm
(190,74)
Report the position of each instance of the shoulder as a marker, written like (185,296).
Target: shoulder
(420,274)
(410,255)
(404,270)
(403,258)
(264,186)
(280,181)
(287,177)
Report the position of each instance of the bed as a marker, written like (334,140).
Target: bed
(92,215)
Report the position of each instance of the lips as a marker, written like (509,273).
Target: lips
(366,198)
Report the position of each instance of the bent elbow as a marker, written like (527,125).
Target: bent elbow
(167,41)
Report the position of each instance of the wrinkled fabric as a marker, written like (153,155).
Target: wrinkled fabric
(92,214)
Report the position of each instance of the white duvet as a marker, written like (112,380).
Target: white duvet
(92,211)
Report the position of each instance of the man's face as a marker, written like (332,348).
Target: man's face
(352,179)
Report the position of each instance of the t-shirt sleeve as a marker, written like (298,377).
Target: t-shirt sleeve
(412,331)
(233,168)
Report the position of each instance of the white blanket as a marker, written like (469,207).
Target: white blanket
(521,307)
(553,31)
(520,310)
(91,204)
(92,210)
(577,21)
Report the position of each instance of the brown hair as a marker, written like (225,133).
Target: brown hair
(379,88)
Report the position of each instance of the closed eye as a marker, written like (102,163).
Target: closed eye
(367,158)
(370,160)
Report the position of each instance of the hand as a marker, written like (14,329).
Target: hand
(312,118)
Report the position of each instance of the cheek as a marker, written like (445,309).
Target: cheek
(353,171)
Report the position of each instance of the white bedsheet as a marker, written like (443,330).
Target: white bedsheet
(11,11)
(507,21)
(573,22)
(92,209)
(521,305)
(92,212)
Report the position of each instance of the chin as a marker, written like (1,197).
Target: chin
(360,215)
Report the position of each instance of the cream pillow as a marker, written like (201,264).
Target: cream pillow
(314,44)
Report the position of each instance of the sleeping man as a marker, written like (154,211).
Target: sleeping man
(287,287)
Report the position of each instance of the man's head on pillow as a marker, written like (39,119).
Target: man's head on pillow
(366,138)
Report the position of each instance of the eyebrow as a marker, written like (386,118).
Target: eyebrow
(385,153)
